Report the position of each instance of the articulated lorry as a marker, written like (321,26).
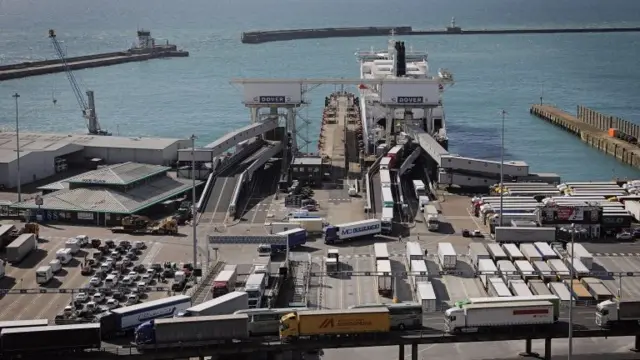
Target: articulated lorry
(615,312)
(295,238)
(225,304)
(320,323)
(351,231)
(191,331)
(225,281)
(474,317)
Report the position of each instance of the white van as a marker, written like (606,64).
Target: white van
(111,281)
(64,255)
(56,265)
(44,274)
(72,244)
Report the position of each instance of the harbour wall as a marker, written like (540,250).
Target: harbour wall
(26,69)
(259,37)
(593,127)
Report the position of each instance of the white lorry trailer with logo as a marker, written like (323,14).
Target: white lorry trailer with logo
(350,231)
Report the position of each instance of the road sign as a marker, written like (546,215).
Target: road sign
(248,239)
(39,201)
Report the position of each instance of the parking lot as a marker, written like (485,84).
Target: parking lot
(37,304)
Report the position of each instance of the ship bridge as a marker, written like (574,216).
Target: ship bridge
(465,171)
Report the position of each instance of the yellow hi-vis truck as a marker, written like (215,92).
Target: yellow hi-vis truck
(320,323)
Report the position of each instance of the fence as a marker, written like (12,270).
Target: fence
(605,122)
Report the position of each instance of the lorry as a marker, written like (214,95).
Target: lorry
(278,227)
(431,217)
(225,304)
(498,288)
(475,317)
(617,311)
(44,274)
(538,287)
(478,251)
(414,252)
(544,271)
(486,270)
(578,251)
(254,287)
(447,256)
(20,248)
(426,296)
(386,220)
(312,225)
(512,234)
(525,269)
(560,270)
(546,251)
(579,269)
(530,252)
(332,261)
(189,332)
(321,323)
(419,272)
(507,271)
(519,288)
(73,245)
(8,324)
(496,252)
(515,299)
(351,231)
(295,238)
(125,319)
(384,279)
(225,281)
(579,292)
(56,338)
(597,289)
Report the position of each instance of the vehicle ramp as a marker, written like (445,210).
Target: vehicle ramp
(408,162)
(300,269)
(233,138)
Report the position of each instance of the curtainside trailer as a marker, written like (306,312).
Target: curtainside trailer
(192,332)
(225,304)
(11,324)
(475,317)
(55,338)
(320,323)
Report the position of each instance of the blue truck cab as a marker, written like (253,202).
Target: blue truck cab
(295,238)
(145,333)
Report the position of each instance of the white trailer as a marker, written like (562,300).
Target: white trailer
(353,230)
(526,270)
(581,253)
(559,268)
(519,288)
(414,252)
(385,286)
(426,296)
(530,252)
(223,305)
(498,288)
(385,178)
(312,225)
(546,251)
(513,252)
(579,269)
(278,227)
(477,252)
(508,271)
(473,317)
(386,220)
(419,272)
(381,251)
(486,269)
(384,163)
(447,256)
(538,287)
(496,252)
(544,271)
(561,291)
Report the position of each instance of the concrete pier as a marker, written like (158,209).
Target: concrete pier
(592,127)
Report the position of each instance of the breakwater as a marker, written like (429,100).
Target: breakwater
(258,37)
(26,69)
(611,135)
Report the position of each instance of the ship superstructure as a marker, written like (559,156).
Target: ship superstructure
(397,62)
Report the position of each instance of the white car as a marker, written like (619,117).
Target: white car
(81,297)
(624,236)
(91,306)
(98,297)
(151,272)
(112,304)
(83,240)
(95,281)
(146,278)
(141,286)
(138,244)
(132,299)
(127,280)
(134,275)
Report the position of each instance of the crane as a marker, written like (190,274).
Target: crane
(88,106)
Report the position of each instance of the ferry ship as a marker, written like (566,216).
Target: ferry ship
(383,64)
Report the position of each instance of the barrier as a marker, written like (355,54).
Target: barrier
(205,193)
(247,239)
(605,122)
(236,193)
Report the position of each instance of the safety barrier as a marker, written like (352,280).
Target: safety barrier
(236,193)
(205,193)
(606,122)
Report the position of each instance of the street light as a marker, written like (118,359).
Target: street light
(193,200)
(573,234)
(16,96)
(504,113)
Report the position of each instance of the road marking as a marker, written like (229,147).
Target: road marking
(153,252)
(428,347)
(358,292)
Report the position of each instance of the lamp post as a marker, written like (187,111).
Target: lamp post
(193,202)
(503,113)
(573,234)
(16,96)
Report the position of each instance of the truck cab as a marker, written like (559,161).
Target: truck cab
(289,327)
(610,312)
(332,261)
(454,318)
(145,333)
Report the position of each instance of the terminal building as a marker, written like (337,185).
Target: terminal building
(104,196)
(307,170)
(44,155)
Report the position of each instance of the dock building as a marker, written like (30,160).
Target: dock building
(105,195)
(41,155)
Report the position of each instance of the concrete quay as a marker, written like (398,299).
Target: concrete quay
(592,127)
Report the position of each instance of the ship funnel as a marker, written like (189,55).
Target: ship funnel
(401,60)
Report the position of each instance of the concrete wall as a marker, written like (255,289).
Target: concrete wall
(605,122)
(33,166)
(120,155)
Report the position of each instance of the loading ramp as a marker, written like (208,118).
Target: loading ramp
(233,138)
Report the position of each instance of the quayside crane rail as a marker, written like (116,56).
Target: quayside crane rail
(88,107)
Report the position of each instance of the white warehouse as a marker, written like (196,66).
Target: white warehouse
(40,153)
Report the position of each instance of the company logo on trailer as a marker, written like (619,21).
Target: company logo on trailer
(327,323)
(149,315)
(566,213)
(409,100)
(360,229)
(276,99)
